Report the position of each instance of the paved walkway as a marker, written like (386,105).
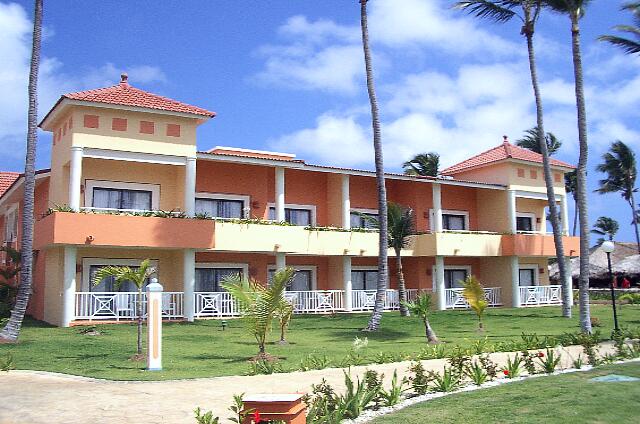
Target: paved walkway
(32,397)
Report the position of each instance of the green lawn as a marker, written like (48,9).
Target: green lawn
(202,349)
(568,398)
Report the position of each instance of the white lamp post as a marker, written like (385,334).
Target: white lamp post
(608,248)
(154,326)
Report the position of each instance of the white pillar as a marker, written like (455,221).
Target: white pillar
(69,286)
(346,203)
(154,326)
(437,208)
(75,177)
(565,215)
(511,210)
(515,281)
(567,265)
(190,187)
(280,216)
(441,298)
(346,279)
(281,261)
(189,283)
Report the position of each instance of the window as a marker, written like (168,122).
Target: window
(524,223)
(91,266)
(454,222)
(294,215)
(211,279)
(91,121)
(115,198)
(11,225)
(119,124)
(527,277)
(108,284)
(147,127)
(453,278)
(364,219)
(173,130)
(220,208)
(303,279)
(364,279)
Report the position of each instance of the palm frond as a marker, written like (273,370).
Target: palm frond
(423,164)
(629,46)
(401,225)
(473,293)
(531,141)
(497,10)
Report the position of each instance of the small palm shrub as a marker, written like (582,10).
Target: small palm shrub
(473,293)
(357,397)
(420,308)
(578,362)
(550,361)
(393,395)
(476,373)
(512,369)
(448,381)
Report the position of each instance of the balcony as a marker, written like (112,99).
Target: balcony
(536,244)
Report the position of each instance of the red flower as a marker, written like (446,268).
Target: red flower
(505,372)
(256,417)
(540,355)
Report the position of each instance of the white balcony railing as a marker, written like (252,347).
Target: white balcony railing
(540,295)
(122,305)
(455,300)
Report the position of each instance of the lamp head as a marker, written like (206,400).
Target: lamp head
(608,246)
(154,280)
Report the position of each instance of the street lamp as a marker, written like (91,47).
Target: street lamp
(608,247)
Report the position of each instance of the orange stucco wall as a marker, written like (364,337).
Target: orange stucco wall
(418,196)
(461,199)
(308,188)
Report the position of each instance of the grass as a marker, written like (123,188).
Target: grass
(203,349)
(567,398)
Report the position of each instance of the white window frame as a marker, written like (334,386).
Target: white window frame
(87,263)
(246,200)
(91,184)
(536,276)
(363,268)
(11,210)
(312,268)
(223,265)
(449,212)
(533,217)
(311,208)
(433,273)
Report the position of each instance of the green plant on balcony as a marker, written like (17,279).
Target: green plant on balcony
(473,293)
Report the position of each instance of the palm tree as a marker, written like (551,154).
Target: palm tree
(473,293)
(258,304)
(11,331)
(421,307)
(606,227)
(138,276)
(531,141)
(503,11)
(401,227)
(629,45)
(575,9)
(381,288)
(284,313)
(423,164)
(570,186)
(620,166)
(8,277)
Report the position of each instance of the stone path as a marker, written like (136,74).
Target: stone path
(33,397)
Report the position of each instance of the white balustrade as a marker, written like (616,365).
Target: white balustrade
(455,299)
(315,301)
(540,295)
(123,305)
(215,304)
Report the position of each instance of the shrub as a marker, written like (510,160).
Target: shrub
(549,361)
(448,381)
(373,382)
(578,362)
(264,366)
(419,380)
(7,363)
(631,298)
(512,369)
(459,360)
(481,346)
(477,373)
(394,394)
(206,418)
(356,398)
(529,364)
(314,362)
(489,366)
(237,409)
(323,405)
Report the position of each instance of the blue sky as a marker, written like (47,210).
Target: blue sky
(288,75)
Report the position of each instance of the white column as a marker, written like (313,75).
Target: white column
(346,279)
(190,187)
(154,326)
(69,286)
(441,298)
(75,177)
(189,283)
(511,210)
(565,215)
(515,281)
(437,208)
(567,265)
(346,203)
(280,216)
(281,261)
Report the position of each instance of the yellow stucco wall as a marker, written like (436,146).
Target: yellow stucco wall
(492,211)
(53,287)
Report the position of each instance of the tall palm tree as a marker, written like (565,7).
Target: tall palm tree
(135,275)
(575,9)
(401,227)
(570,186)
(383,273)
(620,166)
(605,227)
(629,45)
(531,138)
(423,164)
(421,308)
(11,331)
(529,12)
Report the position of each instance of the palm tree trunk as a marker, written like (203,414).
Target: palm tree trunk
(634,214)
(11,331)
(402,290)
(429,333)
(528,31)
(575,215)
(381,289)
(139,313)
(581,178)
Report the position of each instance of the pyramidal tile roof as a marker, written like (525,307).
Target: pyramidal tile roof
(6,180)
(502,152)
(126,95)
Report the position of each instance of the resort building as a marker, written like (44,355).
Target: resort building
(128,183)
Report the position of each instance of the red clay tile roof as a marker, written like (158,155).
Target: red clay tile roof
(126,95)
(504,151)
(6,180)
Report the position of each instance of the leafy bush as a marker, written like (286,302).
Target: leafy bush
(459,360)
(631,298)
(578,362)
(481,346)
(489,366)
(6,362)
(323,405)
(549,361)
(477,373)
(206,418)
(512,369)
(264,366)
(529,364)
(314,362)
(237,409)
(420,379)
(394,394)
(357,397)
(448,381)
